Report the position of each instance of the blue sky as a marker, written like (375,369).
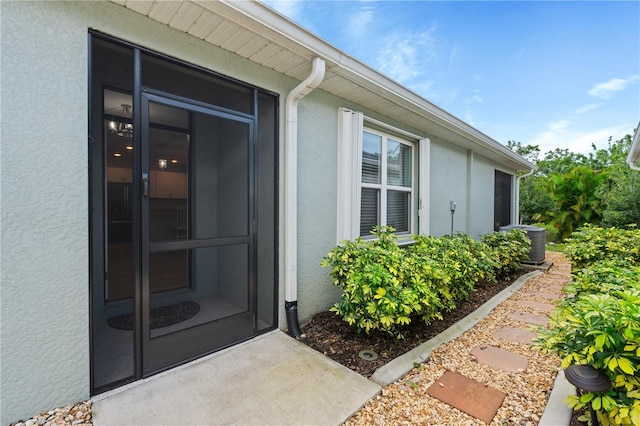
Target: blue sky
(548,73)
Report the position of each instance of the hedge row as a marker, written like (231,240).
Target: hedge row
(386,287)
(598,324)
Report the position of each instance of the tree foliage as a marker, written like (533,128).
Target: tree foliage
(571,189)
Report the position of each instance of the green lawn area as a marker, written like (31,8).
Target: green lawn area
(559,247)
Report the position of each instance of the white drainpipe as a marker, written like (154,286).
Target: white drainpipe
(517,206)
(291,192)
(633,165)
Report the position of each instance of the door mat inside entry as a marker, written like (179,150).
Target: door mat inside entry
(160,317)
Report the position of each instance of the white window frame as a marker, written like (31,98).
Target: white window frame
(384,187)
(351,125)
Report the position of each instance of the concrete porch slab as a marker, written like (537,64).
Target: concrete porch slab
(272,379)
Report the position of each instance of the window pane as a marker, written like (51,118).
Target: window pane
(398,164)
(169,77)
(398,210)
(371,150)
(369,208)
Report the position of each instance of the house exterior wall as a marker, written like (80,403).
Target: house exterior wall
(44,186)
(448,183)
(468,179)
(44,177)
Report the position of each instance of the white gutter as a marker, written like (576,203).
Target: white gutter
(517,203)
(635,149)
(291,191)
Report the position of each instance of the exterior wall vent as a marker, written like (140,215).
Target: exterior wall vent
(538,237)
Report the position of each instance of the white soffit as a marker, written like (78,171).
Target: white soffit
(262,35)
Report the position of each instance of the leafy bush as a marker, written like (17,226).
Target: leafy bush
(455,264)
(379,290)
(509,249)
(598,324)
(591,244)
(385,287)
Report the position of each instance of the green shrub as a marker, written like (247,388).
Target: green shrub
(598,324)
(602,330)
(385,287)
(509,249)
(455,264)
(591,244)
(379,290)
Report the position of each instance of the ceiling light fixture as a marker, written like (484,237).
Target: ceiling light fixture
(162,163)
(174,161)
(121,129)
(117,154)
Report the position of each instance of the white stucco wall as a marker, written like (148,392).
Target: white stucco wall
(448,183)
(44,253)
(482,196)
(468,179)
(43,190)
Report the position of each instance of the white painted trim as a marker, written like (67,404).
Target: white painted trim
(390,128)
(424,185)
(349,153)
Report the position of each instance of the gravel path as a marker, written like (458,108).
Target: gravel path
(406,401)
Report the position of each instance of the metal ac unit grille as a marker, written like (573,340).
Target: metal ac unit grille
(538,237)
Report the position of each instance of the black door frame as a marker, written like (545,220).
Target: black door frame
(98,214)
(160,353)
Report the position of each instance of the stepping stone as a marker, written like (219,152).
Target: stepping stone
(467,395)
(549,296)
(529,318)
(544,307)
(514,334)
(500,359)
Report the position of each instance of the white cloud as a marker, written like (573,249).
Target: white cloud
(607,89)
(559,135)
(558,125)
(358,23)
(586,108)
(405,56)
(289,8)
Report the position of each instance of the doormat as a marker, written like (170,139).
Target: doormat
(160,317)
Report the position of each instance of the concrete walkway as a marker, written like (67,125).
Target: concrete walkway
(270,380)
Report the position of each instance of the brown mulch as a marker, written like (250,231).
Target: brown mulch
(329,334)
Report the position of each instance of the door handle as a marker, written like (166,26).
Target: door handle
(145,185)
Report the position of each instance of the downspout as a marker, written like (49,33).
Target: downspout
(633,165)
(291,192)
(517,206)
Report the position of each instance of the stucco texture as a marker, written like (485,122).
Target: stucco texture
(44,253)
